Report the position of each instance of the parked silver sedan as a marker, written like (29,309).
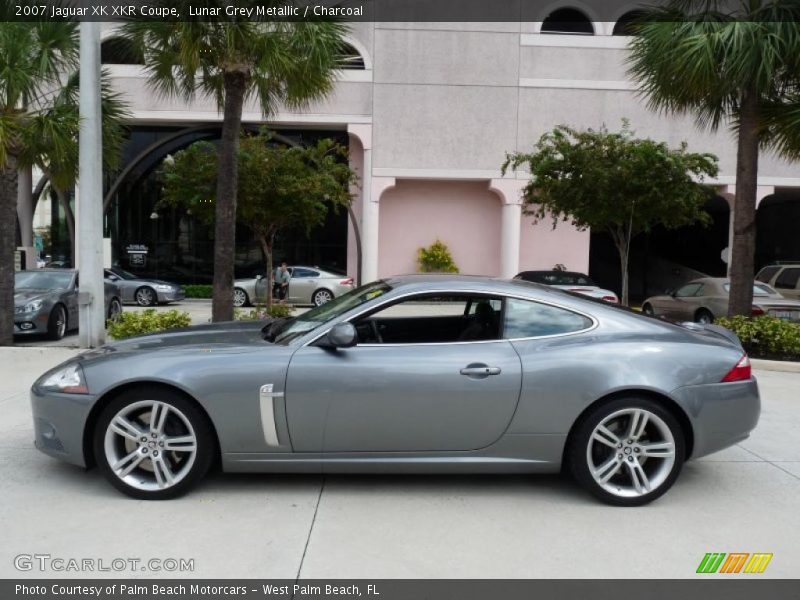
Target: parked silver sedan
(308,285)
(703,300)
(144,292)
(46,302)
(429,374)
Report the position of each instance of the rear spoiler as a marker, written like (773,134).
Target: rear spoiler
(716,329)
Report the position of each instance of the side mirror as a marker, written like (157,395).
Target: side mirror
(112,278)
(342,335)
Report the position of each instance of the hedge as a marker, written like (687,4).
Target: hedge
(198,291)
(133,323)
(766,337)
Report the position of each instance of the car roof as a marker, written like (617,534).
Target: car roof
(551,271)
(478,283)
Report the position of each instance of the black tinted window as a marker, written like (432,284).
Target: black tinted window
(767,273)
(533,319)
(299,273)
(788,278)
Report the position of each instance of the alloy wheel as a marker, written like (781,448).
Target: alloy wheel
(322,296)
(114,310)
(145,297)
(631,453)
(150,445)
(239,297)
(61,322)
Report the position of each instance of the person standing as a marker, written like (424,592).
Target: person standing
(282,277)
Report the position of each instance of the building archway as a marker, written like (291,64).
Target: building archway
(777,219)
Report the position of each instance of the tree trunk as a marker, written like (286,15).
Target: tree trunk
(8,225)
(742,257)
(225,213)
(622,242)
(69,217)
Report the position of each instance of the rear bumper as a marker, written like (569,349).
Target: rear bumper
(721,414)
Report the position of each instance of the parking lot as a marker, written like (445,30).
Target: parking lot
(744,499)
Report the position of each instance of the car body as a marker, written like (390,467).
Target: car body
(308,285)
(425,373)
(144,292)
(570,281)
(46,302)
(783,277)
(703,300)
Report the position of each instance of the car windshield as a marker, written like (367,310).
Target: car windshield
(759,289)
(122,273)
(293,328)
(42,280)
(557,278)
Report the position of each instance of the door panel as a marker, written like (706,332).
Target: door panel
(384,398)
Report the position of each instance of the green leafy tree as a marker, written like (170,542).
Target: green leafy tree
(33,58)
(279,187)
(276,63)
(740,67)
(613,182)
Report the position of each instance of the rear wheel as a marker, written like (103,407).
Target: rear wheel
(704,317)
(114,310)
(240,297)
(57,323)
(321,296)
(648,310)
(153,444)
(627,452)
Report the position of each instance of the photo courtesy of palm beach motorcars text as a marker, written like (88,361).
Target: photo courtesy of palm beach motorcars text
(399,299)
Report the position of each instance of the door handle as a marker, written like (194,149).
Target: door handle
(480,371)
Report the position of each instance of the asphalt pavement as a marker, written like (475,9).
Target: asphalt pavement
(744,499)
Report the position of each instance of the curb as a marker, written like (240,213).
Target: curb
(786,366)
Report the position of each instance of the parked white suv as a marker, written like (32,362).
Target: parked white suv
(784,277)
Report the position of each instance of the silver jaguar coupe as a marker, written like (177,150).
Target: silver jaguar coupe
(420,373)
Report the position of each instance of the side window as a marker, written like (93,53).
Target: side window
(690,289)
(765,274)
(700,291)
(300,273)
(525,318)
(788,279)
(433,319)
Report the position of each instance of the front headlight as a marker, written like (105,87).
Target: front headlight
(31,306)
(68,380)
(164,288)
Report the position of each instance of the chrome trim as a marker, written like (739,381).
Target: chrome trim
(595,322)
(266,400)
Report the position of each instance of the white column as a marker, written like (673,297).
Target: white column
(510,193)
(25,214)
(511,221)
(91,299)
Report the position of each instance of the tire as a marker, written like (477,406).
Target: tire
(133,443)
(703,316)
(648,310)
(631,478)
(240,298)
(57,323)
(145,296)
(321,296)
(114,309)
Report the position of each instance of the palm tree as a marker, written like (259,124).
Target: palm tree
(33,57)
(56,131)
(276,63)
(741,68)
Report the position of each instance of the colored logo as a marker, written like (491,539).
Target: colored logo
(734,562)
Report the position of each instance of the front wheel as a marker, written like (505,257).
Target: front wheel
(627,452)
(240,298)
(704,317)
(145,296)
(648,310)
(153,444)
(57,323)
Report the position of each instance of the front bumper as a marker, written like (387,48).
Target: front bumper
(59,421)
(721,414)
(172,296)
(34,323)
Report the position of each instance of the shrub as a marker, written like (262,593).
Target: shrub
(766,337)
(198,291)
(133,323)
(436,258)
(261,312)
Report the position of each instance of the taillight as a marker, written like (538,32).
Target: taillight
(757,311)
(611,299)
(740,372)
(348,281)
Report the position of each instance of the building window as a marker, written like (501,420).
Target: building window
(351,59)
(627,23)
(567,20)
(119,51)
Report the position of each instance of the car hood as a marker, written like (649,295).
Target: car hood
(25,296)
(229,335)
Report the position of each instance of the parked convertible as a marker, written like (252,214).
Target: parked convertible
(420,373)
(46,302)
